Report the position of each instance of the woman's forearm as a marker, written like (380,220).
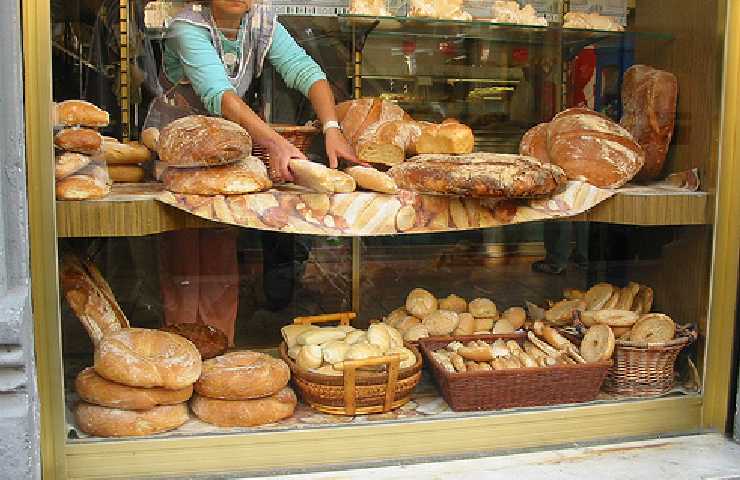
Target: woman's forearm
(322,100)
(233,108)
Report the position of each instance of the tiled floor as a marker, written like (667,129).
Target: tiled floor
(705,457)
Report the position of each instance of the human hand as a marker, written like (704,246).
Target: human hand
(338,147)
(281,153)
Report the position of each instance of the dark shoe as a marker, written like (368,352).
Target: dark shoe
(543,266)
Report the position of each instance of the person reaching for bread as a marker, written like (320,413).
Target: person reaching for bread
(213,53)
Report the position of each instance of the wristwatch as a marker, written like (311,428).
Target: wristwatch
(332,124)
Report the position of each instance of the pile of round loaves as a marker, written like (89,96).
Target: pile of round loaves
(324,350)
(424,315)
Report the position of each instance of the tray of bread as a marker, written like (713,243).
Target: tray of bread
(346,371)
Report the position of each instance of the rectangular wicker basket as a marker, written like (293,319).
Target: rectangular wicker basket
(522,387)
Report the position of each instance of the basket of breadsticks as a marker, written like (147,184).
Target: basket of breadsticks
(647,344)
(343,370)
(534,367)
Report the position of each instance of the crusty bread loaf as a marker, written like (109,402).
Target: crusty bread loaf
(80,140)
(96,390)
(141,357)
(591,147)
(114,422)
(77,112)
(357,116)
(478,175)
(114,152)
(68,163)
(245,413)
(90,298)
(248,175)
(450,137)
(372,179)
(86,184)
(534,143)
(320,178)
(649,99)
(126,173)
(209,340)
(387,142)
(150,138)
(200,141)
(242,375)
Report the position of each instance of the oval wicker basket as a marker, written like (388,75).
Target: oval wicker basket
(300,136)
(357,392)
(644,369)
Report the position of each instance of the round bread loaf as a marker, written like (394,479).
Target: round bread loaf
(140,357)
(516,316)
(96,390)
(653,328)
(483,308)
(466,325)
(246,176)
(210,341)
(441,322)
(245,413)
(200,141)
(534,143)
(114,422)
(453,303)
(242,375)
(420,303)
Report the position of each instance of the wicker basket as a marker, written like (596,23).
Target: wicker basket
(300,136)
(644,370)
(522,387)
(357,392)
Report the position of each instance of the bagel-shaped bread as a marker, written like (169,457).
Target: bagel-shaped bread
(96,390)
(598,344)
(245,413)
(114,422)
(242,375)
(653,328)
(210,341)
(139,357)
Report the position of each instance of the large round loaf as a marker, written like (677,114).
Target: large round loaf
(242,375)
(140,357)
(591,147)
(200,141)
(96,390)
(245,176)
(245,413)
(114,422)
(209,340)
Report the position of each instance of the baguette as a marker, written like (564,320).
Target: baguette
(114,152)
(320,178)
(372,179)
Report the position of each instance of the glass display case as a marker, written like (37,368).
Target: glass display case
(252,263)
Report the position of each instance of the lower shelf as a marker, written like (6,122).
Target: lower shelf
(131,210)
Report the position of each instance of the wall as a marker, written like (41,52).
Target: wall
(19,436)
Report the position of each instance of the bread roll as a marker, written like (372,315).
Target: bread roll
(395,316)
(406,323)
(483,308)
(147,358)
(503,326)
(627,296)
(378,335)
(310,356)
(420,303)
(355,337)
(476,353)
(598,344)
(441,322)
(126,173)
(80,140)
(321,179)
(150,138)
(372,179)
(114,152)
(291,333)
(466,324)
(94,389)
(516,316)
(484,324)
(453,303)
(450,137)
(200,141)
(653,328)
(320,335)
(362,351)
(562,312)
(210,341)
(87,184)
(394,335)
(248,175)
(616,318)
(416,333)
(334,351)
(77,112)
(242,375)
(68,163)
(598,295)
(113,422)
(408,358)
(294,351)
(245,413)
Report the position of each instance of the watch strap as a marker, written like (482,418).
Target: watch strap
(331,124)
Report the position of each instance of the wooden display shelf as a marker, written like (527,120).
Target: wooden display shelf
(131,211)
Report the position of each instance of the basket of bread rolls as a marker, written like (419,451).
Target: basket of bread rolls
(528,368)
(647,343)
(342,370)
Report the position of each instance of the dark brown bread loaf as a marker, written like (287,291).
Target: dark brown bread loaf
(200,141)
(210,341)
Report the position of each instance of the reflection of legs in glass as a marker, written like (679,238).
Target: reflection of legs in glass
(557,248)
(199,278)
(283,260)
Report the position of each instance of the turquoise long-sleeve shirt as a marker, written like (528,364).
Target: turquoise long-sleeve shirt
(189,53)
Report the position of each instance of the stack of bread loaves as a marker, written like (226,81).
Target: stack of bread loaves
(209,156)
(243,389)
(139,384)
(424,315)
(78,175)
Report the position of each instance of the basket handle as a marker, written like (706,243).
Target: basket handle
(344,318)
(350,379)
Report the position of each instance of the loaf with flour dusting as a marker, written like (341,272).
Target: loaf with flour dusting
(245,413)
(200,141)
(248,175)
